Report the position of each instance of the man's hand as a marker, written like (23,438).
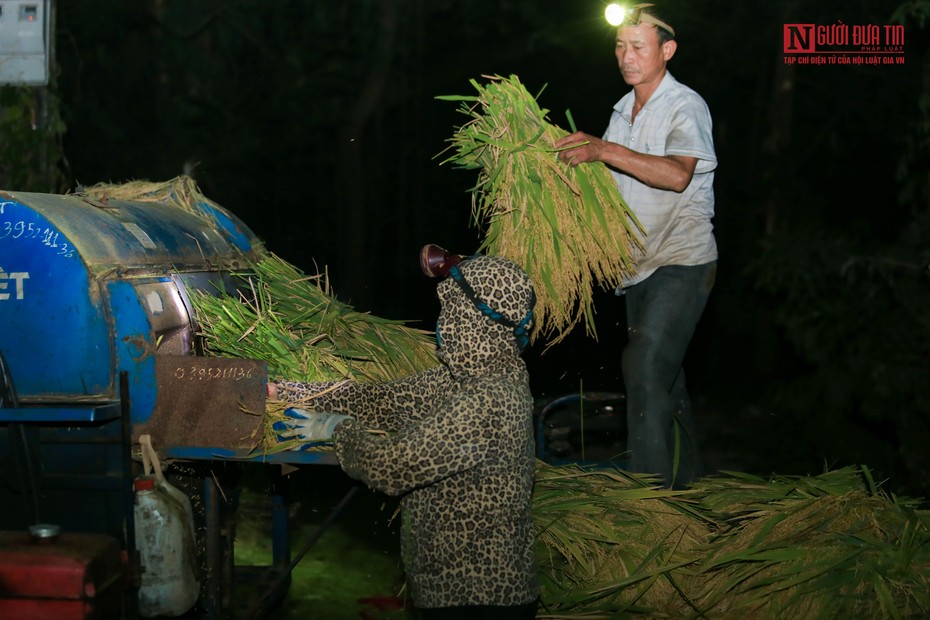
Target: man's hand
(309,426)
(579,148)
(669,172)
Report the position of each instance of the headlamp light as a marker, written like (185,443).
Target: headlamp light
(617,15)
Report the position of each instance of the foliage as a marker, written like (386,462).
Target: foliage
(30,139)
(868,364)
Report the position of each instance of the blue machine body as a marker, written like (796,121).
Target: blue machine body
(89,289)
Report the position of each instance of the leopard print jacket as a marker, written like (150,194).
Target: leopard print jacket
(459,448)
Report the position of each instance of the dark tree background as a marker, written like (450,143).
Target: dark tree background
(316,122)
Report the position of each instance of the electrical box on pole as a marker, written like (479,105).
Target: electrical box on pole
(25,42)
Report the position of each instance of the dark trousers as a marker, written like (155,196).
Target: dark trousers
(480,612)
(662,312)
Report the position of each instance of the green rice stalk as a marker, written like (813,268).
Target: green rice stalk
(569,227)
(293,322)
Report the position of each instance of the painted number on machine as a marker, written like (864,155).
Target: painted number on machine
(234,373)
(21,229)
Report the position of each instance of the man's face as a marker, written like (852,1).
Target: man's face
(641,58)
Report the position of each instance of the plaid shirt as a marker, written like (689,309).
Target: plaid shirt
(674,121)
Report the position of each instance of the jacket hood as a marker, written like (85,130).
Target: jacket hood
(486,315)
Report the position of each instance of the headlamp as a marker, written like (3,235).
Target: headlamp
(617,15)
(436,262)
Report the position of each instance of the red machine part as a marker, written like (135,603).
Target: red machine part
(66,577)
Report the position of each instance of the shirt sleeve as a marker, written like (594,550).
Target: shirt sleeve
(690,134)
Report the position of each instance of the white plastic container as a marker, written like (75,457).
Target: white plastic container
(167,549)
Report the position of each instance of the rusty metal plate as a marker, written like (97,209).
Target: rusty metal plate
(208,402)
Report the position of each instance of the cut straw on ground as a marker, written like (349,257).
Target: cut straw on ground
(734,546)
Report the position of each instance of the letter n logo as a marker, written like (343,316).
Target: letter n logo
(799,38)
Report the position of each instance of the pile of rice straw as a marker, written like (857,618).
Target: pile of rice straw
(733,546)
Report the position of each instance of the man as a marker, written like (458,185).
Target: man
(458,448)
(660,149)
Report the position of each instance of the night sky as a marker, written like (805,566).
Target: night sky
(316,122)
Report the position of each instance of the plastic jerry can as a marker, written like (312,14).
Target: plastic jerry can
(167,549)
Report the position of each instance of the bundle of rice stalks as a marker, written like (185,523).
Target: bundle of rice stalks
(568,227)
(293,322)
(612,543)
(831,546)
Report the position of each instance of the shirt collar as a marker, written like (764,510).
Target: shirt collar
(625,105)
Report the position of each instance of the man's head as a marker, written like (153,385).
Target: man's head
(645,43)
(645,14)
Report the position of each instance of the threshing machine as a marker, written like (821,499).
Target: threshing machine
(99,347)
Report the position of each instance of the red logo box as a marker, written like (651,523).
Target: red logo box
(799,38)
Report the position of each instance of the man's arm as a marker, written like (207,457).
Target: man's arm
(670,172)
